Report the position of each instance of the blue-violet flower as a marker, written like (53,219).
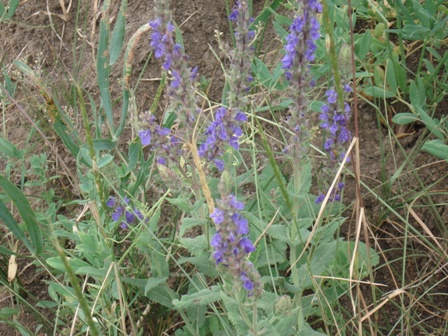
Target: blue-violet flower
(182,89)
(231,243)
(299,52)
(334,124)
(223,131)
(119,208)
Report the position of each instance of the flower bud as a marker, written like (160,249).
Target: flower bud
(283,306)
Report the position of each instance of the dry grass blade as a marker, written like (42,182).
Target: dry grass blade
(325,201)
(427,230)
(385,300)
(65,10)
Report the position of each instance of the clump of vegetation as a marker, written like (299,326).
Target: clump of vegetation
(230,218)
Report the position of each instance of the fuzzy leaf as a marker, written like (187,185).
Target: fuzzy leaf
(7,312)
(378,92)
(437,148)
(182,203)
(391,78)
(363,45)
(322,258)
(98,274)
(196,246)
(326,233)
(202,262)
(404,118)
(57,263)
(163,295)
(203,297)
(430,123)
(10,150)
(415,32)
(308,331)
(364,259)
(188,223)
(233,312)
(154,282)
(266,301)
(262,72)
(117,37)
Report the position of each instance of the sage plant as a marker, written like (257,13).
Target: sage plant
(230,241)
(334,126)
(182,89)
(239,75)
(226,127)
(223,131)
(299,52)
(168,145)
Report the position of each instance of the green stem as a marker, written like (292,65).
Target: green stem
(294,228)
(95,171)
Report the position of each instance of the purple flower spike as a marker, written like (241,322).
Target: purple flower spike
(217,216)
(159,140)
(145,137)
(222,132)
(182,89)
(304,31)
(334,124)
(230,243)
(234,15)
(300,48)
(239,75)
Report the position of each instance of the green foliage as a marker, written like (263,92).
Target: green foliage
(19,200)
(101,276)
(7,12)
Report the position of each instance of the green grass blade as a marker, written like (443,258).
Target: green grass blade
(4,250)
(27,214)
(118,34)
(103,67)
(12,8)
(266,13)
(12,225)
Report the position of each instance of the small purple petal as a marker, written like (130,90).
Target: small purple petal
(117,213)
(217,216)
(145,137)
(246,244)
(111,202)
(129,217)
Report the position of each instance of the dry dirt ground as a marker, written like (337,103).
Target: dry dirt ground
(42,35)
